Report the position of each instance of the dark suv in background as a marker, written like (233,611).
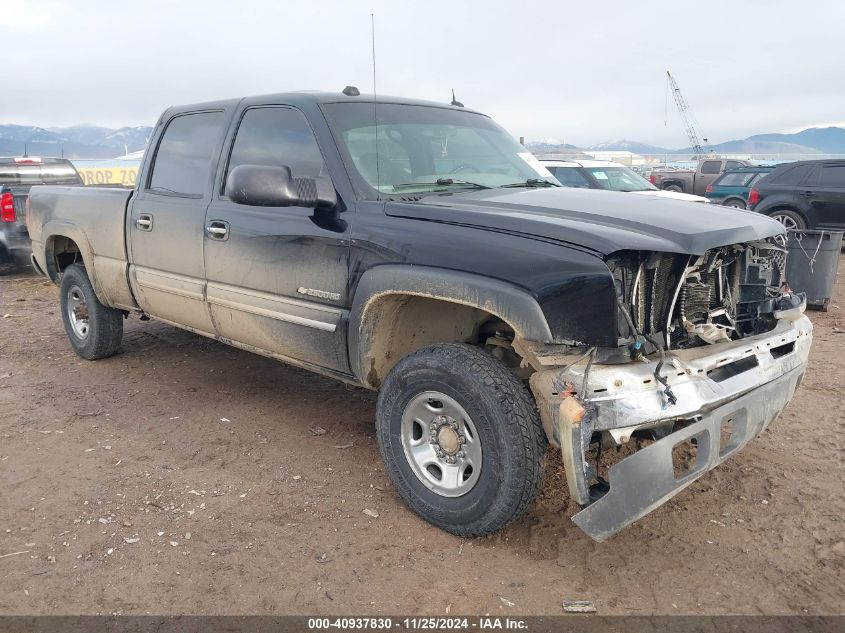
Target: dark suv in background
(17,176)
(807,194)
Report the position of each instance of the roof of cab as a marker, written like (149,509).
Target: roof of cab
(314,97)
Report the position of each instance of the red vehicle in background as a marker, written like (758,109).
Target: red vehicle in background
(17,176)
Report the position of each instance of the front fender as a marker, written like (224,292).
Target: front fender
(514,305)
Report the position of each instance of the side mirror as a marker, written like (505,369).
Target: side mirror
(263,186)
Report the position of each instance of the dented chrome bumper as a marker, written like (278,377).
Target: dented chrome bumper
(744,384)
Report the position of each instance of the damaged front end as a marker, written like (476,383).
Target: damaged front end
(711,349)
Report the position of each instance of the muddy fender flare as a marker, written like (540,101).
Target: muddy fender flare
(514,305)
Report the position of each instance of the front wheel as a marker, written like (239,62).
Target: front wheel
(94,330)
(460,438)
(791,220)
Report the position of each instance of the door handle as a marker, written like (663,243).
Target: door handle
(807,194)
(217,230)
(145,222)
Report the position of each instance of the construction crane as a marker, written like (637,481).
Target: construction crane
(691,125)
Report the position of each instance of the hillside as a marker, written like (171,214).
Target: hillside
(828,140)
(78,141)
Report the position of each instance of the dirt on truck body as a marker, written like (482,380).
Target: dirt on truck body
(431,258)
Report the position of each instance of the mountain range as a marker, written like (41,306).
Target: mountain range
(78,141)
(815,140)
(91,141)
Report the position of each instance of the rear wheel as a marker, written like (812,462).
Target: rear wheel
(676,188)
(461,438)
(94,330)
(791,220)
(735,203)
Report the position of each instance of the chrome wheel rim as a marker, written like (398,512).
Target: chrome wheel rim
(788,222)
(77,312)
(441,444)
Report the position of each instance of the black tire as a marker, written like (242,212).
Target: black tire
(502,412)
(103,329)
(785,216)
(735,203)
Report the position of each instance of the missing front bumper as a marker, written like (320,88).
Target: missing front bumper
(747,382)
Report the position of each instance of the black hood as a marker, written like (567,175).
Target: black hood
(602,221)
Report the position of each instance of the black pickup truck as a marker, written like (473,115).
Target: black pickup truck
(418,250)
(17,176)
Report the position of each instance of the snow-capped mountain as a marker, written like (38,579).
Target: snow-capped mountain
(78,141)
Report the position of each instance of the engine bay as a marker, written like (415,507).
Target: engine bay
(686,301)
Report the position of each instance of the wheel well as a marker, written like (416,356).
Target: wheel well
(396,325)
(672,183)
(61,253)
(729,198)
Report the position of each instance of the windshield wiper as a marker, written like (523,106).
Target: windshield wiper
(441,182)
(531,182)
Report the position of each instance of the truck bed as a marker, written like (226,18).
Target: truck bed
(95,219)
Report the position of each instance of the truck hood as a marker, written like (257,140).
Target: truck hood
(602,221)
(675,195)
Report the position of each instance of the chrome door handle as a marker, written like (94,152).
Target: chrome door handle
(144,222)
(217,230)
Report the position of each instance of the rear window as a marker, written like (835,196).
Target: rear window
(44,174)
(185,156)
(741,179)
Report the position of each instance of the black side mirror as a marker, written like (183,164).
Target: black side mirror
(263,186)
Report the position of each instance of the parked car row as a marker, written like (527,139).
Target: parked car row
(602,174)
(17,177)
(800,195)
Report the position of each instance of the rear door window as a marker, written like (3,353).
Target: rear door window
(711,167)
(794,175)
(832,176)
(185,157)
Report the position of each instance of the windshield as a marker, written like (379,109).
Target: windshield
(425,148)
(619,178)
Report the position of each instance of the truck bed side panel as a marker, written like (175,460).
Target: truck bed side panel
(94,218)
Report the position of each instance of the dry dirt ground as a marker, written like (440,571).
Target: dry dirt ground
(182,476)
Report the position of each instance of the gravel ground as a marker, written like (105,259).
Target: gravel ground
(184,476)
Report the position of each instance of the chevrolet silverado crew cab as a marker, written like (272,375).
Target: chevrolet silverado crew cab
(418,250)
